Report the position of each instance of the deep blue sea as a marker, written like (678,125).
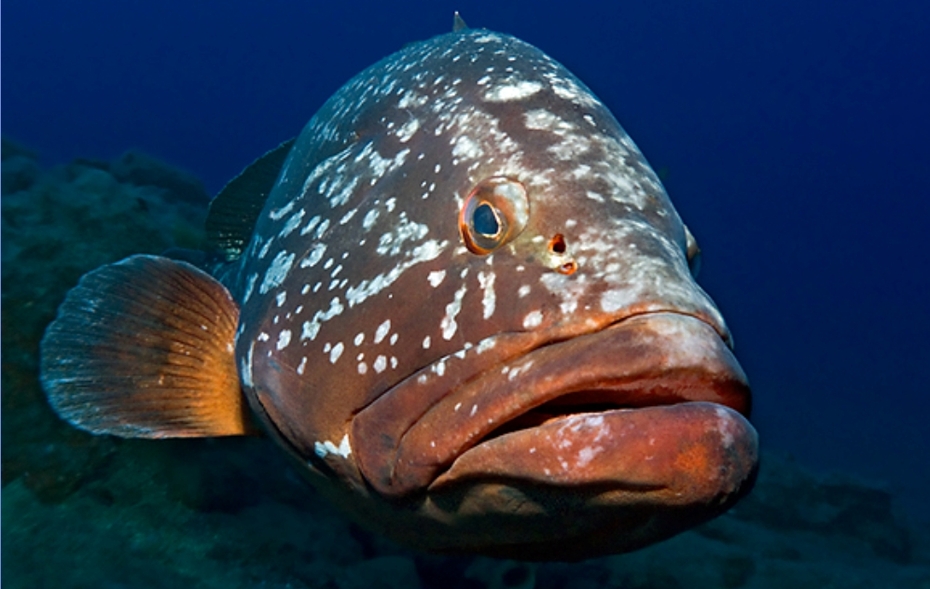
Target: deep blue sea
(792,137)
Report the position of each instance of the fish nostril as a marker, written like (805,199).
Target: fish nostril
(557,244)
(562,261)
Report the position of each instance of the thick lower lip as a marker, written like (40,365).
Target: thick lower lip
(682,454)
(663,378)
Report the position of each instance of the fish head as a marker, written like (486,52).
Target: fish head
(468,308)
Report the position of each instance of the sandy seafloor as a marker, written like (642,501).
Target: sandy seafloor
(84,511)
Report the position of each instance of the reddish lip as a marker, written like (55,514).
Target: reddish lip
(652,360)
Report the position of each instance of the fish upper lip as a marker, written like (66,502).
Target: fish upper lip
(645,359)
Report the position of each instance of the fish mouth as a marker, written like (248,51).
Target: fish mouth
(654,405)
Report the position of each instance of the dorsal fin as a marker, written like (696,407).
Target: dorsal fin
(458,23)
(144,348)
(235,209)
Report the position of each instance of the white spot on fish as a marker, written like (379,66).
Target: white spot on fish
(277,271)
(250,286)
(436,277)
(310,225)
(345,218)
(278,214)
(245,368)
(517,370)
(284,338)
(339,199)
(382,331)
(407,130)
(314,256)
(312,328)
(488,301)
(370,218)
(616,299)
(324,225)
(335,352)
(486,344)
(543,120)
(392,243)
(448,324)
(532,319)
(426,342)
(523,290)
(424,252)
(359,338)
(292,224)
(322,449)
(380,364)
(362,368)
(302,366)
(519,91)
(467,148)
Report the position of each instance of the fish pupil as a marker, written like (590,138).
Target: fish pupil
(484,220)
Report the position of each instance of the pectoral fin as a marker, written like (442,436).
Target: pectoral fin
(144,348)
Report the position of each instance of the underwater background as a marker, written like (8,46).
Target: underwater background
(792,138)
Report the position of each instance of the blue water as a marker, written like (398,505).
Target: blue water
(792,137)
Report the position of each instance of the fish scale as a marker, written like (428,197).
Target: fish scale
(462,250)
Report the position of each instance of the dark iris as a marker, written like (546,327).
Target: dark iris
(484,221)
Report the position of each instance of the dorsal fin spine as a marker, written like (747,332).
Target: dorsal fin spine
(458,23)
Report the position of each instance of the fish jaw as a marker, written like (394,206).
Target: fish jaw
(598,483)
(639,427)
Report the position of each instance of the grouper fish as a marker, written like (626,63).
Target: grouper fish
(460,300)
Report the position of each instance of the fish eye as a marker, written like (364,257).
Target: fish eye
(494,213)
(484,221)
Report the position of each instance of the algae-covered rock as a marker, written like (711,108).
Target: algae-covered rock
(56,225)
(140,169)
